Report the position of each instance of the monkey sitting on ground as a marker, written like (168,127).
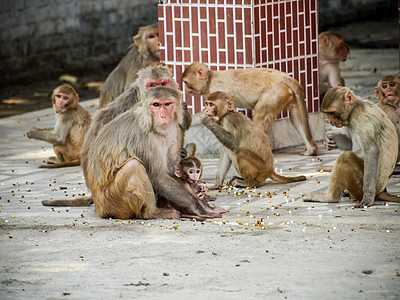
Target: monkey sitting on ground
(188,172)
(130,158)
(266,91)
(332,49)
(72,123)
(387,91)
(365,175)
(244,144)
(143,52)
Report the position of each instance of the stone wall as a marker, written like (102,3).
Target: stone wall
(44,37)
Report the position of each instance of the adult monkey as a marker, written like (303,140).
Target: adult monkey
(244,143)
(266,91)
(364,175)
(72,123)
(387,91)
(332,49)
(144,51)
(130,158)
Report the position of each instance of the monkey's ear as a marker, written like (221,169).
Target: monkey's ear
(377,92)
(349,97)
(76,99)
(201,74)
(136,40)
(324,40)
(230,105)
(177,171)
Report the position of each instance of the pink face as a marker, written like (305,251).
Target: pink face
(158,83)
(194,175)
(153,41)
(162,110)
(62,102)
(389,89)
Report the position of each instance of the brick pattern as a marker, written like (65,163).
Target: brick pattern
(224,34)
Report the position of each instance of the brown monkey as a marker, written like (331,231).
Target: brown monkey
(365,174)
(266,91)
(130,157)
(332,49)
(387,92)
(155,75)
(72,123)
(144,51)
(188,172)
(244,143)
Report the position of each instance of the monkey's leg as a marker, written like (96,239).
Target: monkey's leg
(347,174)
(299,119)
(224,164)
(130,195)
(385,196)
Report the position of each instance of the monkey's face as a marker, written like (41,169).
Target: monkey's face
(212,110)
(389,91)
(62,102)
(153,42)
(194,86)
(163,111)
(342,50)
(193,175)
(335,118)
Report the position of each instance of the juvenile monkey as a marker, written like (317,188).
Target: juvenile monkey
(365,174)
(188,172)
(244,144)
(144,51)
(332,49)
(387,92)
(72,123)
(266,91)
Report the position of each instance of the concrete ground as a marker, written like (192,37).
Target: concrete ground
(270,245)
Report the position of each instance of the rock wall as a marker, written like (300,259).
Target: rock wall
(45,37)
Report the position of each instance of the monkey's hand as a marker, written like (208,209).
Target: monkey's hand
(184,105)
(330,144)
(205,120)
(183,152)
(32,132)
(339,141)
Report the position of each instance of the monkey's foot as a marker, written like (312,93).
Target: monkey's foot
(167,213)
(318,197)
(312,152)
(52,160)
(238,182)
(364,203)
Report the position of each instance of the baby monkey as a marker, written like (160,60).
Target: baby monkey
(188,172)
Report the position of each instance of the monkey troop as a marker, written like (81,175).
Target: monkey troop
(72,123)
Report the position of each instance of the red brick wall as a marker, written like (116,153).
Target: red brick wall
(279,34)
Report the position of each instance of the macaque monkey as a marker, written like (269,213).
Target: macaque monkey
(364,175)
(332,49)
(72,123)
(243,143)
(266,91)
(188,172)
(144,51)
(131,158)
(387,92)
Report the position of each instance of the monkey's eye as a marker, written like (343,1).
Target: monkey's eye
(384,85)
(164,83)
(156,104)
(153,84)
(168,103)
(65,97)
(191,171)
(197,171)
(392,84)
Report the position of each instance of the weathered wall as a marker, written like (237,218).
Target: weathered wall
(334,12)
(44,37)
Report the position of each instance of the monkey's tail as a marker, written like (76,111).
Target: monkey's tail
(61,164)
(283,179)
(82,201)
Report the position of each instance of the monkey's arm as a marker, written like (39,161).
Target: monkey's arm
(187,118)
(342,141)
(223,167)
(226,138)
(371,161)
(56,137)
